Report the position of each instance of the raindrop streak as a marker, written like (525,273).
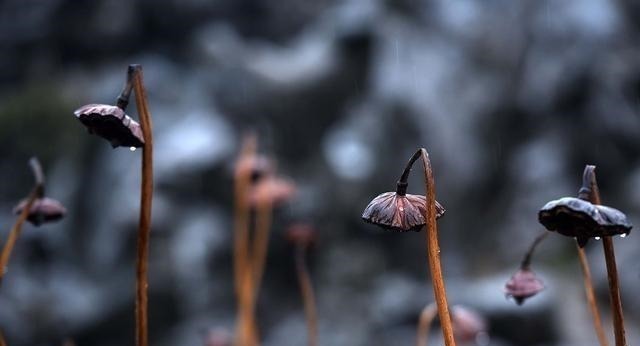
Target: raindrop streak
(597,238)
(132,148)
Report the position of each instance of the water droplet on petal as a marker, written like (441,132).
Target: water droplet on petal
(132,148)
(597,238)
(623,235)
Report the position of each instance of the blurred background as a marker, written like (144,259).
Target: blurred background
(511,98)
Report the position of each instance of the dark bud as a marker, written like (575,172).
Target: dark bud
(574,217)
(42,210)
(255,166)
(468,325)
(112,124)
(396,212)
(301,234)
(522,285)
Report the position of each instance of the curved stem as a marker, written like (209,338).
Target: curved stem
(123,99)
(610,258)
(146,195)
(427,315)
(434,252)
(308,297)
(402,184)
(591,297)
(526,262)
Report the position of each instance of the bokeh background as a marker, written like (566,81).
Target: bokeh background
(511,98)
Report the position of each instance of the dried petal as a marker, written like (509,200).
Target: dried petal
(574,217)
(112,124)
(42,210)
(399,213)
(522,285)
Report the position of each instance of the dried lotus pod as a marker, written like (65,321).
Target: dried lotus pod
(574,217)
(399,212)
(522,285)
(42,210)
(112,124)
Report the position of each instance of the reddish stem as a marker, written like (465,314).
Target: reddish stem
(146,195)
(610,258)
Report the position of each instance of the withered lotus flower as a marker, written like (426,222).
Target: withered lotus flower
(399,212)
(574,217)
(522,285)
(42,210)
(112,124)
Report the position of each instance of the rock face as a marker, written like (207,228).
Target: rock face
(510,98)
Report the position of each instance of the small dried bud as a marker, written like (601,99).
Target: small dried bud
(522,285)
(271,190)
(468,325)
(42,210)
(574,217)
(301,234)
(393,211)
(112,124)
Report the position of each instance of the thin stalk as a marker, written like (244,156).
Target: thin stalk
(427,315)
(3,342)
(123,99)
(526,261)
(243,275)
(146,195)
(434,252)
(308,297)
(591,297)
(14,234)
(610,258)
(259,252)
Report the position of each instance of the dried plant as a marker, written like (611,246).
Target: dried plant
(111,123)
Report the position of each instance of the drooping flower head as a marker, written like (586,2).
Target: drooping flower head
(112,124)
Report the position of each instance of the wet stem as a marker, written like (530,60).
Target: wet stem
(610,258)
(434,252)
(146,194)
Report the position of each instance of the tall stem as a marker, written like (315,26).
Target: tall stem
(146,194)
(610,258)
(308,297)
(243,274)
(3,342)
(259,252)
(591,297)
(434,252)
(14,234)
(427,315)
